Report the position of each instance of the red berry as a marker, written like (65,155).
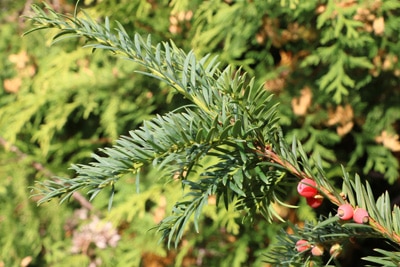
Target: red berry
(315,202)
(345,212)
(302,245)
(306,188)
(360,215)
(317,250)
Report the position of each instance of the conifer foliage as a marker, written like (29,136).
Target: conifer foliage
(229,143)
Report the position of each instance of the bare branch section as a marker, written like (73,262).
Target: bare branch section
(41,168)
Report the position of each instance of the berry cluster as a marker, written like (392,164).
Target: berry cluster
(307,188)
(304,245)
(359,215)
(317,249)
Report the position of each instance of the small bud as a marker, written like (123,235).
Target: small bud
(306,188)
(335,250)
(345,212)
(315,202)
(360,216)
(302,245)
(317,250)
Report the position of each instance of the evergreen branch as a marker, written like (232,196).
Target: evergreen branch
(165,140)
(176,142)
(165,61)
(228,112)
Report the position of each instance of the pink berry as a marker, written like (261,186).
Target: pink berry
(360,215)
(302,245)
(345,212)
(315,202)
(317,250)
(306,188)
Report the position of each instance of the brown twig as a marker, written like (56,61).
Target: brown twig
(270,155)
(381,229)
(40,168)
